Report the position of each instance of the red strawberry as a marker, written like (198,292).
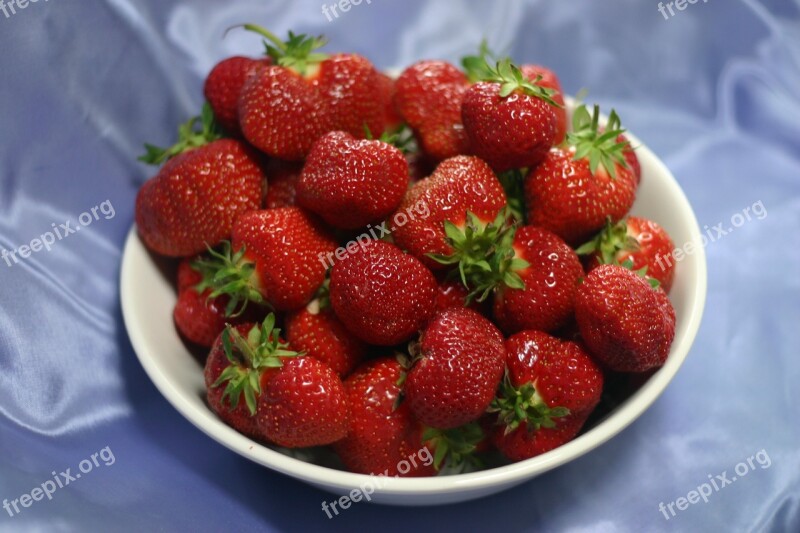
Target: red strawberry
(451,294)
(381,294)
(391,117)
(509,120)
(522,444)
(458,366)
(224,365)
(282,177)
(550,280)
(428,96)
(196,196)
(551,387)
(545,77)
(277,257)
(545,373)
(382,433)
(626,323)
(574,190)
(638,240)
(285,108)
(354,92)
(316,331)
(281,114)
(350,182)
(458,185)
(199,317)
(631,159)
(303,404)
(295,401)
(223,86)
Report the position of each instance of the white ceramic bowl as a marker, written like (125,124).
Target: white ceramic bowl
(148,297)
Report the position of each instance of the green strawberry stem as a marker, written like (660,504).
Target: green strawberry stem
(297,53)
(188,138)
(454,447)
(517,405)
(611,240)
(231,274)
(483,255)
(598,145)
(249,357)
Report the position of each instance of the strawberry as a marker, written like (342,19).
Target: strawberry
(199,317)
(550,279)
(428,96)
(355,93)
(225,365)
(285,108)
(392,119)
(548,79)
(458,185)
(458,364)
(223,86)
(382,432)
(282,178)
(521,444)
(204,185)
(295,401)
(303,404)
(509,120)
(631,159)
(627,324)
(380,294)
(550,389)
(575,189)
(545,374)
(276,257)
(317,331)
(638,240)
(350,182)
(452,293)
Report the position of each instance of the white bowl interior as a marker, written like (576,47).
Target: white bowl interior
(148,297)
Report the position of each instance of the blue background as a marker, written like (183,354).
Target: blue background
(715,91)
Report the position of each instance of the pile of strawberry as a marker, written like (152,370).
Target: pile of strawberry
(489,323)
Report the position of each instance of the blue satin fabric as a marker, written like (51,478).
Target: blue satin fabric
(715,90)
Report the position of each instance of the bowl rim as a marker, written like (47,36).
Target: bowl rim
(506,475)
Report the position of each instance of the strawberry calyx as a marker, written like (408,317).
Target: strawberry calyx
(642,273)
(249,357)
(611,240)
(297,53)
(402,138)
(484,254)
(512,182)
(188,138)
(517,405)
(229,273)
(598,145)
(454,447)
(508,75)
